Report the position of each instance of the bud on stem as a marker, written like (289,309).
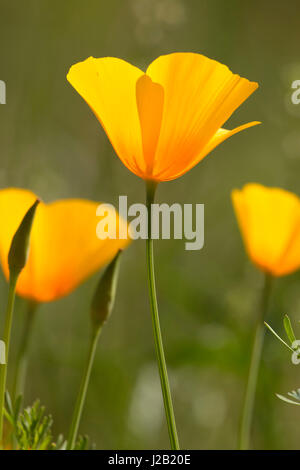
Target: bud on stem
(19,248)
(17,258)
(104,297)
(102,304)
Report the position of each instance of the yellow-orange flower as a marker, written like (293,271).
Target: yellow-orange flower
(163,122)
(269,220)
(64,248)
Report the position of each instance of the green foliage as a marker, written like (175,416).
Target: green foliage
(295,394)
(289,332)
(83,443)
(277,336)
(31,428)
(289,329)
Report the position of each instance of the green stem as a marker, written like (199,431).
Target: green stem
(6,338)
(22,355)
(83,389)
(162,367)
(245,430)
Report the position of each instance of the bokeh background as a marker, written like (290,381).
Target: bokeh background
(52,144)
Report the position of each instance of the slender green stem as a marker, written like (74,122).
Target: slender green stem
(83,389)
(6,339)
(162,367)
(22,355)
(245,430)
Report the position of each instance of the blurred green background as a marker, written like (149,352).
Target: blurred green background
(52,144)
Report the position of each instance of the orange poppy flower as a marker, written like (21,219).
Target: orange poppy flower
(64,248)
(269,220)
(163,122)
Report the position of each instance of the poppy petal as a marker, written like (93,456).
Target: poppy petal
(150,100)
(223,134)
(200,94)
(269,220)
(220,136)
(64,248)
(108,85)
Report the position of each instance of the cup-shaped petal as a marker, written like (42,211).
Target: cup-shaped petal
(164,122)
(269,220)
(64,248)
(200,94)
(108,85)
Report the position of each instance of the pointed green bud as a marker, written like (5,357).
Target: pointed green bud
(19,248)
(104,297)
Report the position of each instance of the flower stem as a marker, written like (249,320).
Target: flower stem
(162,367)
(6,339)
(245,430)
(22,355)
(83,389)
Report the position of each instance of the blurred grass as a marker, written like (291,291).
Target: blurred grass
(52,144)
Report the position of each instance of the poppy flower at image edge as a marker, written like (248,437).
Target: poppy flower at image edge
(163,122)
(269,221)
(64,248)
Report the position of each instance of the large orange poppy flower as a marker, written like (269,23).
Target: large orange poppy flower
(64,248)
(163,122)
(269,220)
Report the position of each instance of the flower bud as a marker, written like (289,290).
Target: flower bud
(19,248)
(104,297)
